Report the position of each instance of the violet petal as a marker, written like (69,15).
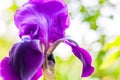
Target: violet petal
(23,62)
(38,74)
(49,18)
(84,56)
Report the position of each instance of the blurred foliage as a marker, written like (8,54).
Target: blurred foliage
(90,16)
(106,62)
(5,46)
(101,1)
(65,69)
(114,44)
(102,39)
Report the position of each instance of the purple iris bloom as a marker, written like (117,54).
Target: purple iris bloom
(46,21)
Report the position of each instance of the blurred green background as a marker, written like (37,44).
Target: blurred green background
(95,25)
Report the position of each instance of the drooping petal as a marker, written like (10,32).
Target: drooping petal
(23,62)
(49,18)
(84,56)
(81,53)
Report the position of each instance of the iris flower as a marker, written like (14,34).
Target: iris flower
(42,25)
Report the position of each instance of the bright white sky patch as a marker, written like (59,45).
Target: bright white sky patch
(96,47)
(4,4)
(63,51)
(118,8)
(77,30)
(107,11)
(115,1)
(2,27)
(110,27)
(21,2)
(91,36)
(90,3)
(13,28)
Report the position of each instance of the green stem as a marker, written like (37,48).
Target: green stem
(49,71)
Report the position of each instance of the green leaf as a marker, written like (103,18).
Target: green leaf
(13,7)
(91,16)
(102,39)
(82,9)
(93,25)
(115,43)
(99,58)
(111,17)
(101,1)
(110,59)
